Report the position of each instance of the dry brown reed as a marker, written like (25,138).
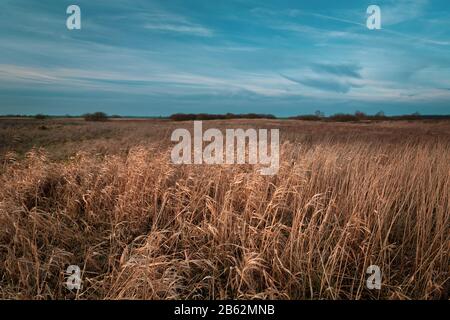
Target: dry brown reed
(142,228)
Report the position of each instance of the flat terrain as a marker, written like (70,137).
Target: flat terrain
(65,137)
(105,196)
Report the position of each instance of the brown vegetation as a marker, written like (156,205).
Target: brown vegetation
(105,196)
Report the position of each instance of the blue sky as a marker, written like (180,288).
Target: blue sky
(150,58)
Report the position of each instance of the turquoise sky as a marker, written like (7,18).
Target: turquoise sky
(151,58)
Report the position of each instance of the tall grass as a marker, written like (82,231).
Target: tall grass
(142,228)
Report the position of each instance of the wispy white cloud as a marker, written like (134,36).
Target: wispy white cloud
(398,11)
(172,23)
(165,82)
(339,78)
(393,13)
(185,29)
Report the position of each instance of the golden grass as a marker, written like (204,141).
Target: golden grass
(346,197)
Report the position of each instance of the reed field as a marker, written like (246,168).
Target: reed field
(106,197)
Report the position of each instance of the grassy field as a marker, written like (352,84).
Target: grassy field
(105,196)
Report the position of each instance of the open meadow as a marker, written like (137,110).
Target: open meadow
(105,196)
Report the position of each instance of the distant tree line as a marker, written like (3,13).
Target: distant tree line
(361,116)
(317,116)
(96,116)
(206,116)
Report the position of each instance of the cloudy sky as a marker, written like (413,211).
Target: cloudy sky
(150,58)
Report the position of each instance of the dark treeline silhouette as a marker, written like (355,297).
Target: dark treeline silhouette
(342,117)
(205,116)
(361,116)
(317,116)
(96,116)
(40,116)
